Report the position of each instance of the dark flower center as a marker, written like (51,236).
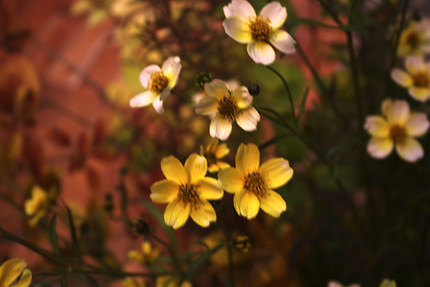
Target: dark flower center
(261,29)
(397,133)
(256,182)
(421,79)
(228,108)
(189,194)
(157,82)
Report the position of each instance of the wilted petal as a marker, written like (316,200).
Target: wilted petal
(197,166)
(410,150)
(143,99)
(380,147)
(231,180)
(276,13)
(174,170)
(248,119)
(273,204)
(417,125)
(164,191)
(278,172)
(247,158)
(165,93)
(402,78)
(238,30)
(146,73)
(176,214)
(377,126)
(203,215)
(283,42)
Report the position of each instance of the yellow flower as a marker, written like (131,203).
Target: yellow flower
(397,127)
(244,26)
(416,79)
(337,284)
(253,184)
(159,83)
(213,152)
(388,283)
(38,205)
(11,270)
(187,191)
(241,243)
(131,282)
(225,107)
(146,256)
(415,39)
(170,281)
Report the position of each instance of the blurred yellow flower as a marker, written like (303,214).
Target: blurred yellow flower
(241,243)
(11,269)
(225,106)
(158,82)
(337,284)
(213,152)
(388,283)
(133,282)
(187,191)
(416,78)
(397,127)
(252,184)
(415,39)
(38,206)
(170,281)
(146,256)
(244,26)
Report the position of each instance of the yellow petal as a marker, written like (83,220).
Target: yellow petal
(246,204)
(417,125)
(204,215)
(402,78)
(410,150)
(10,270)
(419,94)
(278,172)
(220,128)
(388,283)
(164,191)
(135,255)
(171,68)
(275,13)
(217,89)
(377,126)
(238,30)
(213,168)
(380,147)
(248,119)
(209,188)
(174,170)
(222,165)
(247,158)
(197,166)
(273,204)
(231,180)
(146,247)
(24,280)
(176,214)
(397,112)
(261,52)
(222,150)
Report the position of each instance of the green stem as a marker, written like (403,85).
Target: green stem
(272,141)
(181,97)
(171,252)
(399,32)
(332,14)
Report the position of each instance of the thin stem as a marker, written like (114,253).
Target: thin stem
(332,14)
(170,250)
(272,141)
(181,97)
(399,32)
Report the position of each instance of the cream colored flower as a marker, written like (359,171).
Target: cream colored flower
(159,83)
(252,184)
(244,26)
(11,269)
(415,39)
(38,206)
(416,78)
(187,191)
(397,128)
(213,152)
(337,284)
(226,106)
(146,256)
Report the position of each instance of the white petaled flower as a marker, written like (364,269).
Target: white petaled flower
(416,78)
(415,39)
(257,31)
(158,82)
(225,106)
(396,128)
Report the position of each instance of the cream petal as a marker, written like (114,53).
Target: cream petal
(197,166)
(414,63)
(247,158)
(246,204)
(173,73)
(169,63)
(231,180)
(377,126)
(242,96)
(174,170)
(210,189)
(158,105)
(278,172)
(410,150)
(146,73)
(261,52)
(222,150)
(380,147)
(276,13)
(334,284)
(207,106)
(237,29)
(164,191)
(143,99)
(248,119)
(386,107)
(283,42)
(24,280)
(220,128)
(176,214)
(417,125)
(273,204)
(10,270)
(419,94)
(165,93)
(204,215)
(402,78)
(216,88)
(240,9)
(398,112)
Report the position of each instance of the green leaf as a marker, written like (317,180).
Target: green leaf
(303,103)
(63,282)
(73,232)
(53,235)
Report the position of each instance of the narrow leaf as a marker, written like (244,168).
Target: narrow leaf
(73,232)
(303,103)
(53,235)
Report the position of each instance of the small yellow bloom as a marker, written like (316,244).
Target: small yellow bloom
(337,284)
(416,78)
(187,191)
(241,243)
(158,82)
(11,270)
(397,127)
(170,281)
(225,106)
(213,152)
(132,282)
(415,39)
(388,283)
(244,26)
(253,184)
(38,206)
(146,256)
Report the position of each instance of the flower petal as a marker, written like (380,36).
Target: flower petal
(283,42)
(146,73)
(204,215)
(419,94)
(220,128)
(402,78)
(222,165)
(278,172)
(174,170)
(165,93)
(261,52)
(24,280)
(10,270)
(248,119)
(273,204)
(242,96)
(222,150)
(414,63)
(380,147)
(143,99)
(197,166)
(377,126)
(240,9)
(247,158)
(246,204)
(207,106)
(171,69)
(231,180)
(164,191)
(176,214)
(158,105)
(410,150)
(397,112)
(210,189)
(237,29)
(217,88)
(417,125)
(276,14)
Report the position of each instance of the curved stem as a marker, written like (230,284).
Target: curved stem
(399,32)
(181,97)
